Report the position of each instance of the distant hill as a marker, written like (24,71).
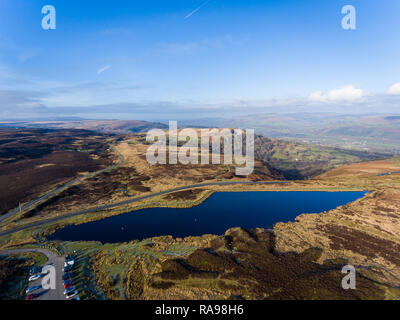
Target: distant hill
(369,132)
(104,126)
(278,158)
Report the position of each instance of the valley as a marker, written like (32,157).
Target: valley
(281,262)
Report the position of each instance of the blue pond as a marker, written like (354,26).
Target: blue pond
(217,214)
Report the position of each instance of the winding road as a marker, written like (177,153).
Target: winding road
(114,205)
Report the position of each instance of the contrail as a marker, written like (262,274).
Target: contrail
(197,9)
(101,70)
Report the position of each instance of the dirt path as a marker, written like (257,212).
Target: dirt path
(54,260)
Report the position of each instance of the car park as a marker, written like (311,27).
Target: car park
(31,289)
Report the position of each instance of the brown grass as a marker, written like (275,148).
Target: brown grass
(364,169)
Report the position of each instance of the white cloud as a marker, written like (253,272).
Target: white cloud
(101,70)
(345,94)
(318,96)
(349,93)
(395,89)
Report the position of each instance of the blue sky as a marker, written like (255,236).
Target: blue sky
(159,60)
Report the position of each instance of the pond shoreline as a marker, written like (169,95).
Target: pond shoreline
(214,216)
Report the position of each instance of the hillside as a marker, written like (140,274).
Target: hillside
(34,161)
(296,160)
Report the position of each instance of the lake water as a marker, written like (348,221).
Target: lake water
(220,212)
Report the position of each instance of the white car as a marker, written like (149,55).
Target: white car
(69,290)
(35,277)
(72,294)
(31,289)
(69,263)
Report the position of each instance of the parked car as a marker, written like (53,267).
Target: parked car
(67,268)
(69,263)
(75,298)
(70,260)
(35,270)
(71,295)
(67,276)
(35,277)
(68,281)
(68,285)
(31,289)
(68,290)
(31,296)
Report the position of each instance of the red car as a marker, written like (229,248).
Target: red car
(68,285)
(32,296)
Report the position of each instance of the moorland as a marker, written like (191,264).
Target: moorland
(297,260)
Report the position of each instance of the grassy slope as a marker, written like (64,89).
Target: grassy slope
(33,161)
(302,161)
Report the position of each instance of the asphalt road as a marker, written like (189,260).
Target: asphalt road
(387,173)
(114,205)
(54,260)
(49,194)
